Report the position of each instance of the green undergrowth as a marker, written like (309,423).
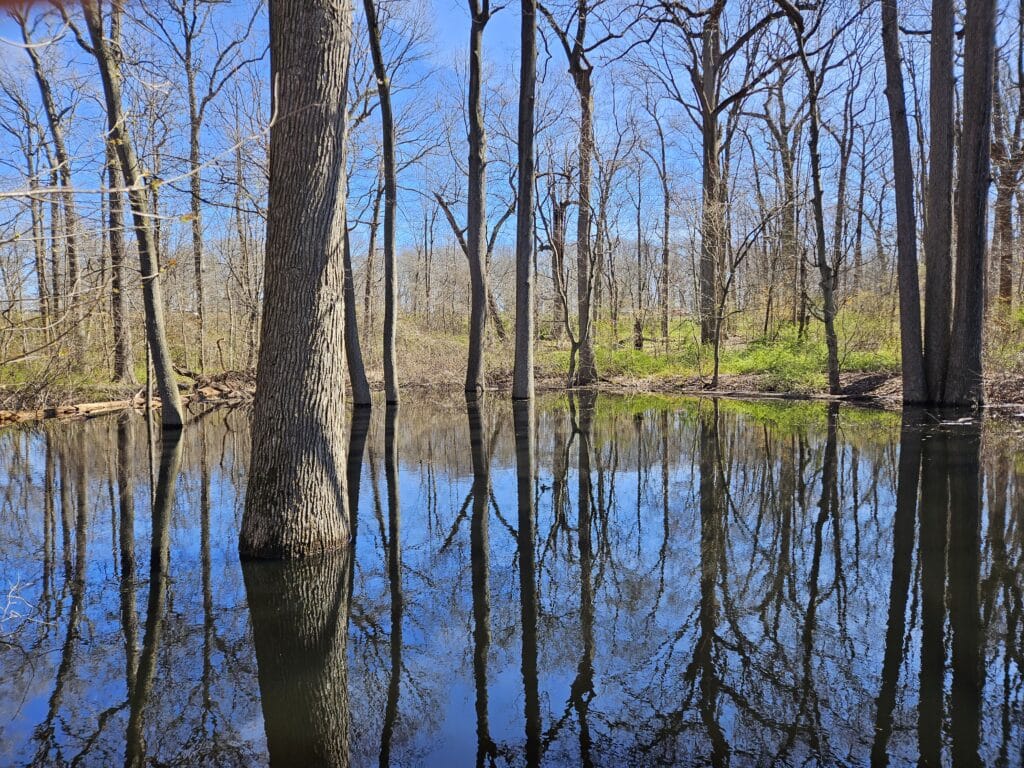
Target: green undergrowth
(784,361)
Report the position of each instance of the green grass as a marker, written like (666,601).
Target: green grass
(784,361)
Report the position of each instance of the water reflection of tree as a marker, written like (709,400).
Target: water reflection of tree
(645,559)
(394,559)
(486,750)
(523,421)
(299,611)
(159,562)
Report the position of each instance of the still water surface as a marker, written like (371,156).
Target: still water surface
(635,582)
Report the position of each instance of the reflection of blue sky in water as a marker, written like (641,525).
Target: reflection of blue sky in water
(654,699)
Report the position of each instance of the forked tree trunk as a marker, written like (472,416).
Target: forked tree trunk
(295,505)
(964,384)
(522,375)
(171,413)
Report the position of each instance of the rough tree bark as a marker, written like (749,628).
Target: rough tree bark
(938,223)
(522,375)
(171,413)
(964,384)
(295,505)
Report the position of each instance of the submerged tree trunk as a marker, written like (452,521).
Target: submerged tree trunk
(964,384)
(938,296)
(476,203)
(522,375)
(387,122)
(914,389)
(295,505)
(171,412)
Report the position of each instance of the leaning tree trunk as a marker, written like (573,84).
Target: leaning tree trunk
(476,204)
(914,388)
(964,384)
(387,122)
(172,414)
(938,286)
(522,375)
(825,269)
(295,504)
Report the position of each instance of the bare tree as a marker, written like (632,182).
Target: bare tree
(55,121)
(108,60)
(964,381)
(203,83)
(522,376)
(390,174)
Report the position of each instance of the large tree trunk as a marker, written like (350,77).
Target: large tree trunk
(387,122)
(295,505)
(476,203)
(172,414)
(938,286)
(914,388)
(964,384)
(522,375)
